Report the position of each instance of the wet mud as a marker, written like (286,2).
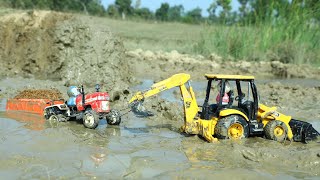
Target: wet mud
(46,50)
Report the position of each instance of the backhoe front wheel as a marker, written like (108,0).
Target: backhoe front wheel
(232,127)
(276,130)
(90,119)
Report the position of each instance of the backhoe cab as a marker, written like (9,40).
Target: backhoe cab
(236,116)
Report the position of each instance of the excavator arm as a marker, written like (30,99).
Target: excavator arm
(191,109)
(176,80)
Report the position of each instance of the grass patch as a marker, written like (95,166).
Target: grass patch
(297,43)
(264,42)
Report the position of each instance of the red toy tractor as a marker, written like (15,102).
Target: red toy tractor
(89,107)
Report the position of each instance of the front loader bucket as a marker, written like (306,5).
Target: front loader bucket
(303,131)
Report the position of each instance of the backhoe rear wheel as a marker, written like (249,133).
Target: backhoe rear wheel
(232,127)
(276,130)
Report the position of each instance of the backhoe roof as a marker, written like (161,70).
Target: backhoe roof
(228,77)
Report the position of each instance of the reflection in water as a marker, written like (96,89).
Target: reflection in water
(32,121)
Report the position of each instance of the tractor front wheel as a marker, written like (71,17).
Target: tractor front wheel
(276,130)
(114,118)
(55,119)
(90,119)
(232,127)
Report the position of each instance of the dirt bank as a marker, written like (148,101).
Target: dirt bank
(166,63)
(58,46)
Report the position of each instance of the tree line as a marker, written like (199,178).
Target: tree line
(220,11)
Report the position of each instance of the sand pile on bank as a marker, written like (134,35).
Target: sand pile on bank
(53,94)
(164,63)
(58,46)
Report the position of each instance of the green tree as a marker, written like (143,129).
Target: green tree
(212,12)
(193,16)
(175,13)
(143,13)
(162,12)
(243,10)
(226,7)
(112,10)
(124,7)
(94,7)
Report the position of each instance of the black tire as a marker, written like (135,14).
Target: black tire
(54,118)
(57,118)
(90,119)
(63,118)
(276,130)
(46,114)
(231,127)
(113,117)
(54,121)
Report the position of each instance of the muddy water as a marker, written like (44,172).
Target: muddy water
(143,148)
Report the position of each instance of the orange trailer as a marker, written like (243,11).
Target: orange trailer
(30,105)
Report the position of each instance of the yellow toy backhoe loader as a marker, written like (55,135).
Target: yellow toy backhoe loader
(238,116)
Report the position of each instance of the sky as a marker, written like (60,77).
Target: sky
(187,4)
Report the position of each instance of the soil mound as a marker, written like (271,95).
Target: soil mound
(39,94)
(164,63)
(59,46)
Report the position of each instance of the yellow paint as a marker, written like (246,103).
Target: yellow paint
(228,112)
(267,114)
(278,131)
(235,131)
(223,76)
(192,122)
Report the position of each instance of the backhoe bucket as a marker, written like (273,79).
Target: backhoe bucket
(139,110)
(303,131)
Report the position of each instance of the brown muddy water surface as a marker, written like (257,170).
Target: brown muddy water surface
(143,148)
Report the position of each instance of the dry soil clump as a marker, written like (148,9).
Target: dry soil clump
(53,94)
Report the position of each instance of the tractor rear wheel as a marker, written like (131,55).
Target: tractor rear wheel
(232,127)
(276,130)
(90,119)
(113,118)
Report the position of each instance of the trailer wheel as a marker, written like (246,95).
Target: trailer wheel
(276,130)
(231,127)
(114,118)
(90,119)
(46,114)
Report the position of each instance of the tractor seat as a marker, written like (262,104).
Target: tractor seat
(71,101)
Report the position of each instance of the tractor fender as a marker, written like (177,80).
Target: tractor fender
(228,112)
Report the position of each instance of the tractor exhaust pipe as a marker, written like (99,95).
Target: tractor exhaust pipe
(303,131)
(83,97)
